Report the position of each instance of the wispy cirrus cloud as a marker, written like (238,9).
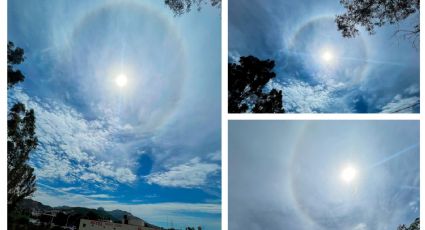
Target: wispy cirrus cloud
(383,197)
(101,196)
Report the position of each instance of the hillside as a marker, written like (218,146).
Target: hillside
(29,205)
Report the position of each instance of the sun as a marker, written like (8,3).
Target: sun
(327,56)
(121,80)
(348,174)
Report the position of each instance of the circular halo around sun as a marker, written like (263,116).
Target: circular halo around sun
(315,179)
(136,99)
(322,51)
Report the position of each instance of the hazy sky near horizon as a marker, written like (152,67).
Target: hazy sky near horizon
(366,74)
(152,147)
(288,174)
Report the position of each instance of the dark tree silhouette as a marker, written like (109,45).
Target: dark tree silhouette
(60,219)
(15,56)
(375,13)
(21,138)
(246,83)
(180,7)
(269,103)
(414,226)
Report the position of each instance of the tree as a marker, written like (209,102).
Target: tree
(180,7)
(375,13)
(414,226)
(246,87)
(270,103)
(21,138)
(60,219)
(15,56)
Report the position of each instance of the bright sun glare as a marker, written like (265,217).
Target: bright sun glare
(348,174)
(121,80)
(327,56)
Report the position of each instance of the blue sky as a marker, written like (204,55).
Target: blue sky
(151,147)
(367,74)
(289,174)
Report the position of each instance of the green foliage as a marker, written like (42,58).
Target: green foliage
(246,84)
(180,7)
(374,13)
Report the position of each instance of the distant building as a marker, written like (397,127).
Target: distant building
(132,224)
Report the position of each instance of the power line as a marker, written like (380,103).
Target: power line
(407,107)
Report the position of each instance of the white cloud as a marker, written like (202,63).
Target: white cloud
(401,104)
(68,189)
(193,174)
(91,177)
(300,97)
(102,196)
(412,89)
(214,156)
(72,148)
(361,226)
(123,175)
